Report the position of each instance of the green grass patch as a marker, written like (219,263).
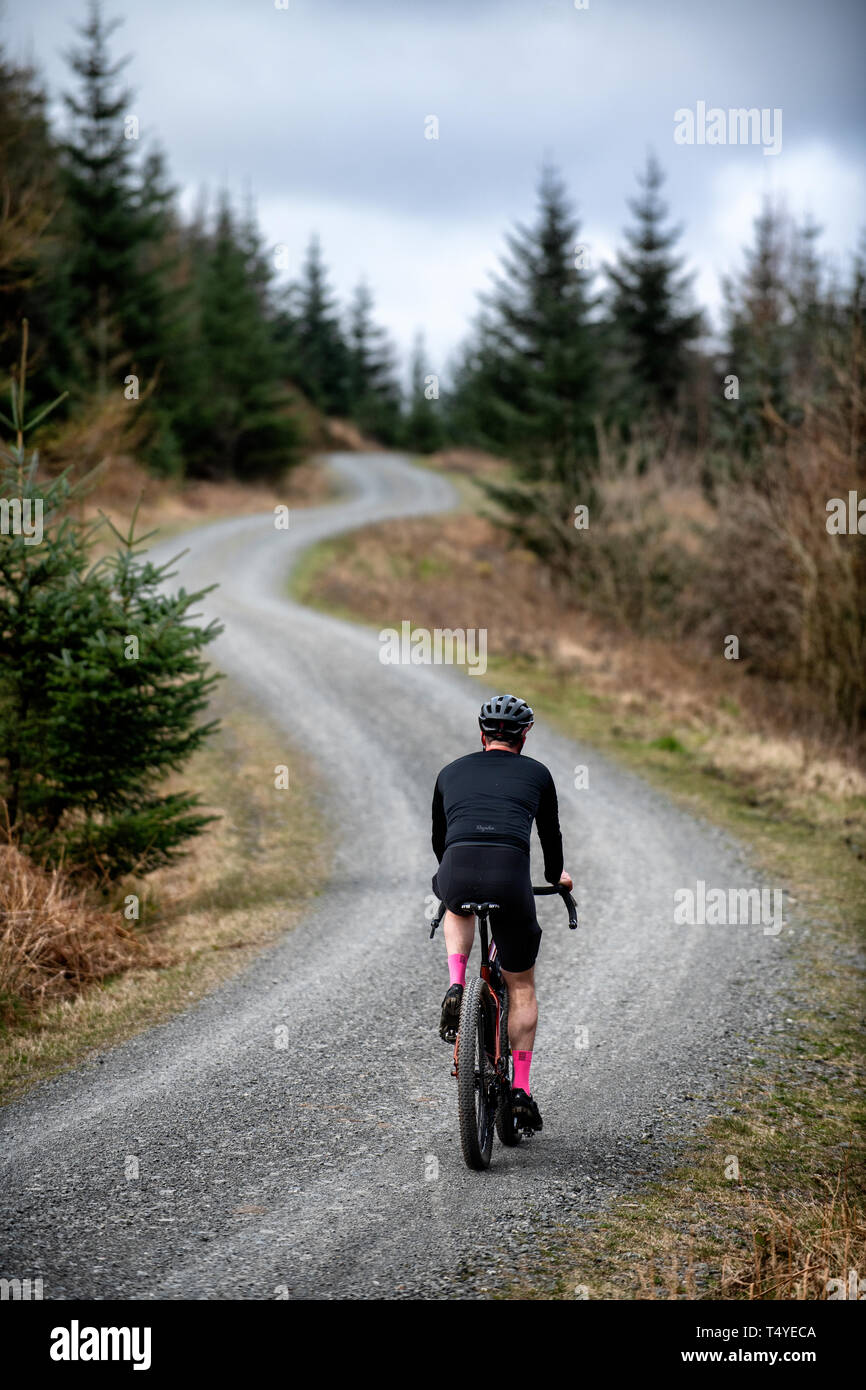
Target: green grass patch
(668,743)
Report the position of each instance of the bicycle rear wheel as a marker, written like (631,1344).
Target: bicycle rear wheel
(476,1082)
(506,1125)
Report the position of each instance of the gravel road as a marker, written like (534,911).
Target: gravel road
(331,1168)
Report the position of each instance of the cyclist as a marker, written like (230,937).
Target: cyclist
(483,808)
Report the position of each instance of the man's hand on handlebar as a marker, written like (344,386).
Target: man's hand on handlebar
(567,881)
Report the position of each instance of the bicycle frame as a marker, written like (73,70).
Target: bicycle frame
(492,978)
(484,1096)
(496,983)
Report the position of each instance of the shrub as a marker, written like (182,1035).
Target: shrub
(102,682)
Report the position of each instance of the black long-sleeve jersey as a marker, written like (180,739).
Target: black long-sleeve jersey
(492,798)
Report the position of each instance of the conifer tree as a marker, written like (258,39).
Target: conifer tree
(373,390)
(759,344)
(241,423)
(321,357)
(534,362)
(423,429)
(102,681)
(33,262)
(808,308)
(653,322)
(531,375)
(113,291)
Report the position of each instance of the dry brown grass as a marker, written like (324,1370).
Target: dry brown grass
(791,1254)
(795,1253)
(170,507)
(53,942)
(471,463)
(101,444)
(344,434)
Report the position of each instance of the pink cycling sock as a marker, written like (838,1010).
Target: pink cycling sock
(457,969)
(522,1063)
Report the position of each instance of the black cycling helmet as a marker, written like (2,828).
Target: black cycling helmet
(505,716)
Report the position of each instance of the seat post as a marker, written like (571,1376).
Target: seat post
(482,932)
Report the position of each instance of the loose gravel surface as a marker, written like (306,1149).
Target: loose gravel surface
(296,1132)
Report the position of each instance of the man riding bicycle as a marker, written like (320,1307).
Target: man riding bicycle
(483,808)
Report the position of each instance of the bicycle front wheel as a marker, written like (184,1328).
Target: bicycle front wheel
(476,1078)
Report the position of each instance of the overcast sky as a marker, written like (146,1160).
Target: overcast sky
(319,109)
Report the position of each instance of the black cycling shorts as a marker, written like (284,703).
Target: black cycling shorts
(496,874)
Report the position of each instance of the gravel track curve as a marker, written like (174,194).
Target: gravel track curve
(331,1168)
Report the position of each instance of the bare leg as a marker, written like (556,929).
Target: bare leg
(459,933)
(522,1009)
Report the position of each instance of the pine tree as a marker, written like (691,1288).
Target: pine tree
(241,423)
(373,390)
(102,682)
(162,316)
(530,377)
(321,357)
(808,308)
(32,258)
(113,292)
(759,344)
(123,711)
(26,195)
(422,431)
(652,322)
(536,369)
(184,377)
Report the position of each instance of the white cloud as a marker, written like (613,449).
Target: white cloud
(422,277)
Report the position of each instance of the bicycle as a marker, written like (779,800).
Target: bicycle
(482,1052)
